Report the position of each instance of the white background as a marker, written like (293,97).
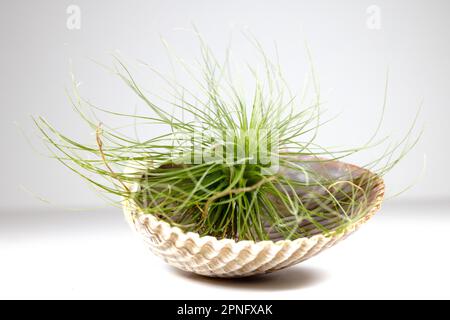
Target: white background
(49,250)
(92,256)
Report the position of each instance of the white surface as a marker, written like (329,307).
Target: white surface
(401,253)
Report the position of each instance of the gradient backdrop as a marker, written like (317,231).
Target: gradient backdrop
(351,51)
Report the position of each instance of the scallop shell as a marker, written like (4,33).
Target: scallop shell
(227,258)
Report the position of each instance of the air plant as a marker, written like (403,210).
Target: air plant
(234,164)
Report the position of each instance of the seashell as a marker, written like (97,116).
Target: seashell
(227,258)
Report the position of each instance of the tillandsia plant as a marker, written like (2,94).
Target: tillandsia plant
(232,163)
